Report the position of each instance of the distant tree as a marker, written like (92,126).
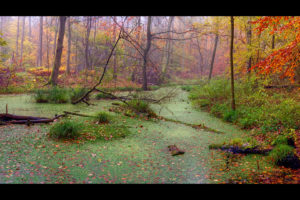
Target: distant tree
(146,53)
(22,41)
(40,46)
(55,35)
(168,49)
(231,63)
(249,38)
(29,27)
(17,40)
(87,36)
(115,55)
(215,49)
(69,46)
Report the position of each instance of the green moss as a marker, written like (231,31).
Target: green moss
(280,152)
(281,139)
(236,142)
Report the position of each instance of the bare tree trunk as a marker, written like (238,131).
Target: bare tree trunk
(249,35)
(29,31)
(40,49)
(57,62)
(168,49)
(22,41)
(95,30)
(69,45)
(76,54)
(231,64)
(17,41)
(88,30)
(213,56)
(47,41)
(1,24)
(258,56)
(146,51)
(55,36)
(138,37)
(201,58)
(1,29)
(115,56)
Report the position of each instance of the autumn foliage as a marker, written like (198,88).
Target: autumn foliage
(285,59)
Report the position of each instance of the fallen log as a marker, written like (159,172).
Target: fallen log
(236,149)
(6,119)
(9,117)
(280,86)
(77,114)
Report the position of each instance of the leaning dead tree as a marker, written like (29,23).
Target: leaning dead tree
(122,35)
(94,88)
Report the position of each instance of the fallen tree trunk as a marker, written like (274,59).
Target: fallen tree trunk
(6,119)
(77,114)
(280,86)
(235,149)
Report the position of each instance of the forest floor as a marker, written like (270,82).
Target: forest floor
(27,155)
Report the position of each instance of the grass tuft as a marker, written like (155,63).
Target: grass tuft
(65,130)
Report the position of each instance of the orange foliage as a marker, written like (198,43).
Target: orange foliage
(284,60)
(42,71)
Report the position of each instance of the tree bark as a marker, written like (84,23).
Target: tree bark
(1,24)
(17,41)
(249,36)
(40,49)
(47,41)
(258,50)
(168,49)
(22,41)
(134,72)
(69,45)
(55,36)
(213,56)
(146,52)
(201,58)
(115,56)
(231,64)
(57,62)
(88,30)
(29,27)
(1,29)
